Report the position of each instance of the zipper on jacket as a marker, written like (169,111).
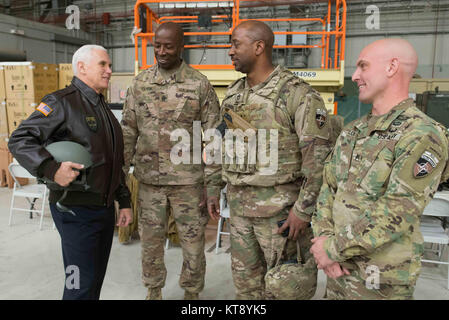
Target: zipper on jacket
(110,136)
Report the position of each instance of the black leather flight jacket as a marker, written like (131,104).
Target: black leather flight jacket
(76,113)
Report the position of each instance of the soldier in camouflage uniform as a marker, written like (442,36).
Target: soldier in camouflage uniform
(169,96)
(271,98)
(383,171)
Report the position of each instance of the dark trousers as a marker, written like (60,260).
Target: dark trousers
(86,240)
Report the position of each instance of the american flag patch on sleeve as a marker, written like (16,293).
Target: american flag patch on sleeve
(44,109)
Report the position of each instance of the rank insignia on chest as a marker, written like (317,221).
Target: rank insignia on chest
(320,117)
(92,123)
(425,165)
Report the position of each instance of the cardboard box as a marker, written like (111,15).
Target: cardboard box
(118,86)
(30,80)
(5,176)
(4,130)
(17,111)
(65,75)
(6,180)
(2,84)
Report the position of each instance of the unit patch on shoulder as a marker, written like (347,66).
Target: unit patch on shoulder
(44,109)
(425,165)
(320,117)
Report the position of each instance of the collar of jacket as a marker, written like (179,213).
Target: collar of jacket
(267,86)
(88,92)
(178,76)
(269,83)
(383,122)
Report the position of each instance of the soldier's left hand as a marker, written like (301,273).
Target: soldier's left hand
(335,271)
(296,225)
(213,207)
(321,258)
(125,217)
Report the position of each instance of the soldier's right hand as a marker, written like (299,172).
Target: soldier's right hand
(296,225)
(67,172)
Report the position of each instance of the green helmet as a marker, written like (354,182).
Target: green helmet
(63,151)
(70,151)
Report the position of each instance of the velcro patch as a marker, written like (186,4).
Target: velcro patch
(44,109)
(320,117)
(425,165)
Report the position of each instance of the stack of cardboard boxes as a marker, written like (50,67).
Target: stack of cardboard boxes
(118,86)
(26,84)
(65,75)
(22,87)
(5,159)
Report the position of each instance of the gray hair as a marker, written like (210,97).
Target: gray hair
(83,54)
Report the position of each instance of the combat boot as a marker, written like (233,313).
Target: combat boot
(191,295)
(154,294)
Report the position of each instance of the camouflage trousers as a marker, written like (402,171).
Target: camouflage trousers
(353,287)
(255,248)
(155,203)
(297,279)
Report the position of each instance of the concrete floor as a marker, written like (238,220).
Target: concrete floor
(31,265)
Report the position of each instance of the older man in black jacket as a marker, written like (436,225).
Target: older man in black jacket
(84,219)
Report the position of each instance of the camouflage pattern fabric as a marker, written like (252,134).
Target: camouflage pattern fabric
(295,279)
(172,231)
(381,174)
(154,108)
(354,287)
(255,247)
(337,124)
(258,202)
(298,113)
(156,105)
(191,221)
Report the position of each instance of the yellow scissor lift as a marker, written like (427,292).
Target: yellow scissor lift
(327,79)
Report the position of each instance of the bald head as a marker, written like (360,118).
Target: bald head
(257,30)
(384,71)
(390,49)
(251,50)
(174,28)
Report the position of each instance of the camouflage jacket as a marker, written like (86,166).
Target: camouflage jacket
(381,174)
(154,108)
(298,114)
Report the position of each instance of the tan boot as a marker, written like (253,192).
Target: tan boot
(191,296)
(154,294)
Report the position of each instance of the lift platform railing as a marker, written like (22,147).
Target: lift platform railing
(147,21)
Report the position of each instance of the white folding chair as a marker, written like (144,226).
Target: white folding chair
(224,214)
(434,229)
(31,192)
